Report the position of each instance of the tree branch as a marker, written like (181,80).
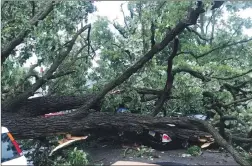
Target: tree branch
(125,22)
(191,72)
(88,39)
(222,142)
(238,101)
(51,104)
(197,33)
(190,20)
(225,118)
(217,4)
(57,75)
(223,46)
(6,51)
(120,30)
(126,51)
(241,140)
(169,81)
(232,77)
(103,122)
(152,34)
(149,91)
(12,103)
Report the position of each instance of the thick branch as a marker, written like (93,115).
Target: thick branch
(222,142)
(152,34)
(191,72)
(19,39)
(192,19)
(88,39)
(169,81)
(49,104)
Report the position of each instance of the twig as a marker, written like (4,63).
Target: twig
(197,33)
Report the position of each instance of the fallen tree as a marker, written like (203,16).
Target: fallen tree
(101,122)
(21,114)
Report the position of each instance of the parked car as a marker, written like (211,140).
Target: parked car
(11,152)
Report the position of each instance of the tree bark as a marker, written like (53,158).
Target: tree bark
(49,104)
(190,20)
(222,142)
(23,127)
(169,81)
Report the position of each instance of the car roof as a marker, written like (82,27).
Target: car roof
(4,130)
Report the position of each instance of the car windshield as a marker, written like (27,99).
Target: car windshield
(8,149)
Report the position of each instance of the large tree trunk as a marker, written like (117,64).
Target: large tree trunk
(24,127)
(97,123)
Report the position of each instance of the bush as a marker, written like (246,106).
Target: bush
(194,150)
(74,157)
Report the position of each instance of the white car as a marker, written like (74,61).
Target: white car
(11,152)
